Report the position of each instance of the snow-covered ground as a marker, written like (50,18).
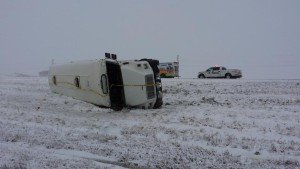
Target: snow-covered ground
(202,124)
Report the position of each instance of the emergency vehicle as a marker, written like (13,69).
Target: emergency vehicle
(220,72)
(169,69)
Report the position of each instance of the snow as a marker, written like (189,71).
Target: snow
(209,123)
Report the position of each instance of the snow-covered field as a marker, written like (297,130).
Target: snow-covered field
(202,124)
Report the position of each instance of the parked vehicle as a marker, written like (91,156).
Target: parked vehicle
(220,72)
(169,69)
(109,83)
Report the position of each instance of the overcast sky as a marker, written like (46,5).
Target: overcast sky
(260,37)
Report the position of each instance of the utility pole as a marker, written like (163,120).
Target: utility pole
(178,64)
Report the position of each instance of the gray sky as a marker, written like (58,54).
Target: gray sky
(260,37)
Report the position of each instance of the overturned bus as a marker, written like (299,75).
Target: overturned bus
(109,82)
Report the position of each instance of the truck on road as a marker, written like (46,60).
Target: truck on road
(220,72)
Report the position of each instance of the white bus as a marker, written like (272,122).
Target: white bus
(109,83)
